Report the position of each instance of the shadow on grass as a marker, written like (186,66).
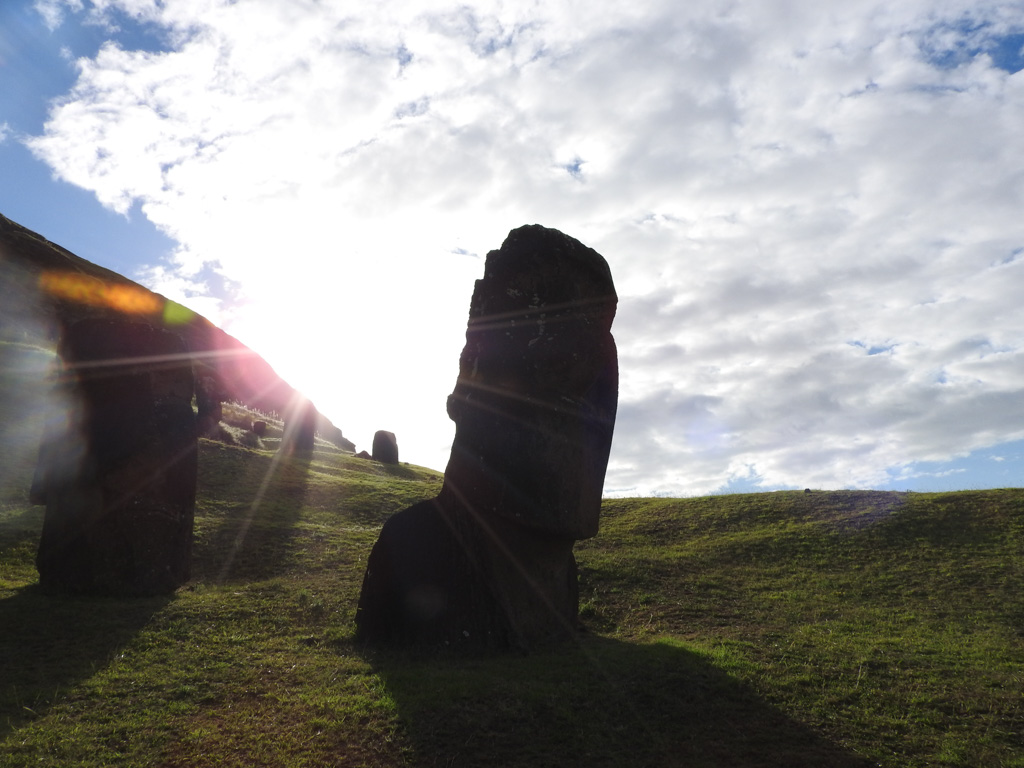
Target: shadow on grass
(254,540)
(49,643)
(602,703)
(20,531)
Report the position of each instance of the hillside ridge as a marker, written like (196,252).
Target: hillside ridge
(45,288)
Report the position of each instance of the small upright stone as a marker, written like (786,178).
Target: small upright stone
(385,447)
(121,481)
(489,561)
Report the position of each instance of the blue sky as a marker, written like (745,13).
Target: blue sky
(812,211)
(33,73)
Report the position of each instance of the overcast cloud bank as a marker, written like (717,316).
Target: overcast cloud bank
(812,213)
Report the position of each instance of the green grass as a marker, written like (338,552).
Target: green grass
(847,628)
(776,629)
(250,664)
(894,622)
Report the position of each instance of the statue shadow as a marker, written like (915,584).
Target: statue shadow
(21,530)
(251,540)
(601,703)
(50,642)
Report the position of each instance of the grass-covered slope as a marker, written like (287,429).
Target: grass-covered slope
(894,622)
(784,629)
(250,664)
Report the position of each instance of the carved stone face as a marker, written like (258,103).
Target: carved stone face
(535,401)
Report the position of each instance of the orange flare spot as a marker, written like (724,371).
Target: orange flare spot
(97,293)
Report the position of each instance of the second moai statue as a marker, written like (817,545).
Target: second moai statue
(119,480)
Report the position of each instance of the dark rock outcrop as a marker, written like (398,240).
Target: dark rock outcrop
(119,481)
(334,435)
(385,447)
(489,561)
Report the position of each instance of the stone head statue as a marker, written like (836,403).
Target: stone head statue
(489,561)
(535,401)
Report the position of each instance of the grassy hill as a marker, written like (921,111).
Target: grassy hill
(783,629)
(779,629)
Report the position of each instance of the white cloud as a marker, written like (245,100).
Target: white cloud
(811,211)
(52,11)
(5,131)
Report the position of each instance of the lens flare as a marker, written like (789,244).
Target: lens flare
(130,299)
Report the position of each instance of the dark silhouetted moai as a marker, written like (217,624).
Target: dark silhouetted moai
(385,447)
(300,426)
(209,402)
(489,561)
(120,480)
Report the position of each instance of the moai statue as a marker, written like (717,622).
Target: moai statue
(299,426)
(489,561)
(385,447)
(120,480)
(210,404)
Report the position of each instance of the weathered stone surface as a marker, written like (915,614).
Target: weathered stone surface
(363,455)
(120,483)
(385,447)
(489,561)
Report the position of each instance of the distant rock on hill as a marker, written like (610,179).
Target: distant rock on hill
(45,288)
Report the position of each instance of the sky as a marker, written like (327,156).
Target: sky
(812,210)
